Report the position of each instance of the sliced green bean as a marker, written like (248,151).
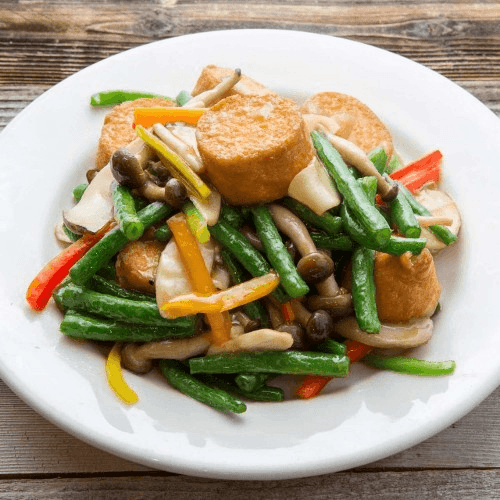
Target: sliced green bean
(354,196)
(78,191)
(264,393)
(378,157)
(112,242)
(232,216)
(254,310)
(331,346)
(179,378)
(125,212)
(70,234)
(411,366)
(85,326)
(251,381)
(403,217)
(369,185)
(277,253)
(182,98)
(394,164)
(250,258)
(106,286)
(327,222)
(107,270)
(143,312)
(280,362)
(395,246)
(337,242)
(113,97)
(441,232)
(163,233)
(363,290)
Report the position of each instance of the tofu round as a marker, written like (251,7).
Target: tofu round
(253,146)
(368,131)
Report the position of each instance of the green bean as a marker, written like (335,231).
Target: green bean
(108,270)
(363,290)
(338,242)
(410,366)
(86,326)
(113,97)
(378,157)
(441,232)
(277,253)
(331,346)
(112,242)
(264,393)
(143,312)
(354,196)
(329,223)
(250,258)
(403,217)
(106,286)
(163,233)
(394,164)
(369,185)
(232,216)
(70,234)
(251,381)
(78,191)
(179,378)
(395,246)
(280,362)
(254,310)
(182,98)
(125,213)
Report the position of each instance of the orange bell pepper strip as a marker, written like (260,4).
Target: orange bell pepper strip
(41,288)
(233,297)
(420,172)
(198,275)
(115,378)
(149,116)
(314,384)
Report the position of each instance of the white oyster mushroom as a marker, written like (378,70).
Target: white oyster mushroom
(439,204)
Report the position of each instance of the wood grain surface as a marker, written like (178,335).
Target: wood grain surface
(43,42)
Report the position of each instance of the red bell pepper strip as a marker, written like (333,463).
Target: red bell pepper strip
(42,287)
(420,172)
(314,384)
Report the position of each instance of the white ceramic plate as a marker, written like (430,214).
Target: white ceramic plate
(369,415)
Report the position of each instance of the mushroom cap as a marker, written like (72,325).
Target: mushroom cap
(319,327)
(315,267)
(127,169)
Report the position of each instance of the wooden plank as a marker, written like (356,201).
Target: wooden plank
(31,444)
(418,485)
(41,43)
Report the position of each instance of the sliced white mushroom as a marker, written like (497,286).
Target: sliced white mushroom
(95,207)
(313,187)
(340,124)
(406,336)
(221,277)
(60,234)
(186,133)
(439,204)
(171,279)
(209,209)
(257,340)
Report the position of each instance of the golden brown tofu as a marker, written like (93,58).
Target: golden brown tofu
(406,286)
(212,75)
(253,146)
(136,265)
(368,131)
(117,130)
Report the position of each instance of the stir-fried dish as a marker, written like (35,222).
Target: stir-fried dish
(231,235)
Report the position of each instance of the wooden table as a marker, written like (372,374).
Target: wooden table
(44,42)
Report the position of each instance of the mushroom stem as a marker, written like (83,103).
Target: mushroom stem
(328,287)
(314,266)
(252,237)
(354,155)
(302,315)
(274,313)
(208,97)
(184,150)
(245,321)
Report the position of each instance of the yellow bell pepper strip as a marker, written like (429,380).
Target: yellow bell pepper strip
(177,166)
(233,297)
(41,288)
(198,275)
(115,376)
(149,116)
